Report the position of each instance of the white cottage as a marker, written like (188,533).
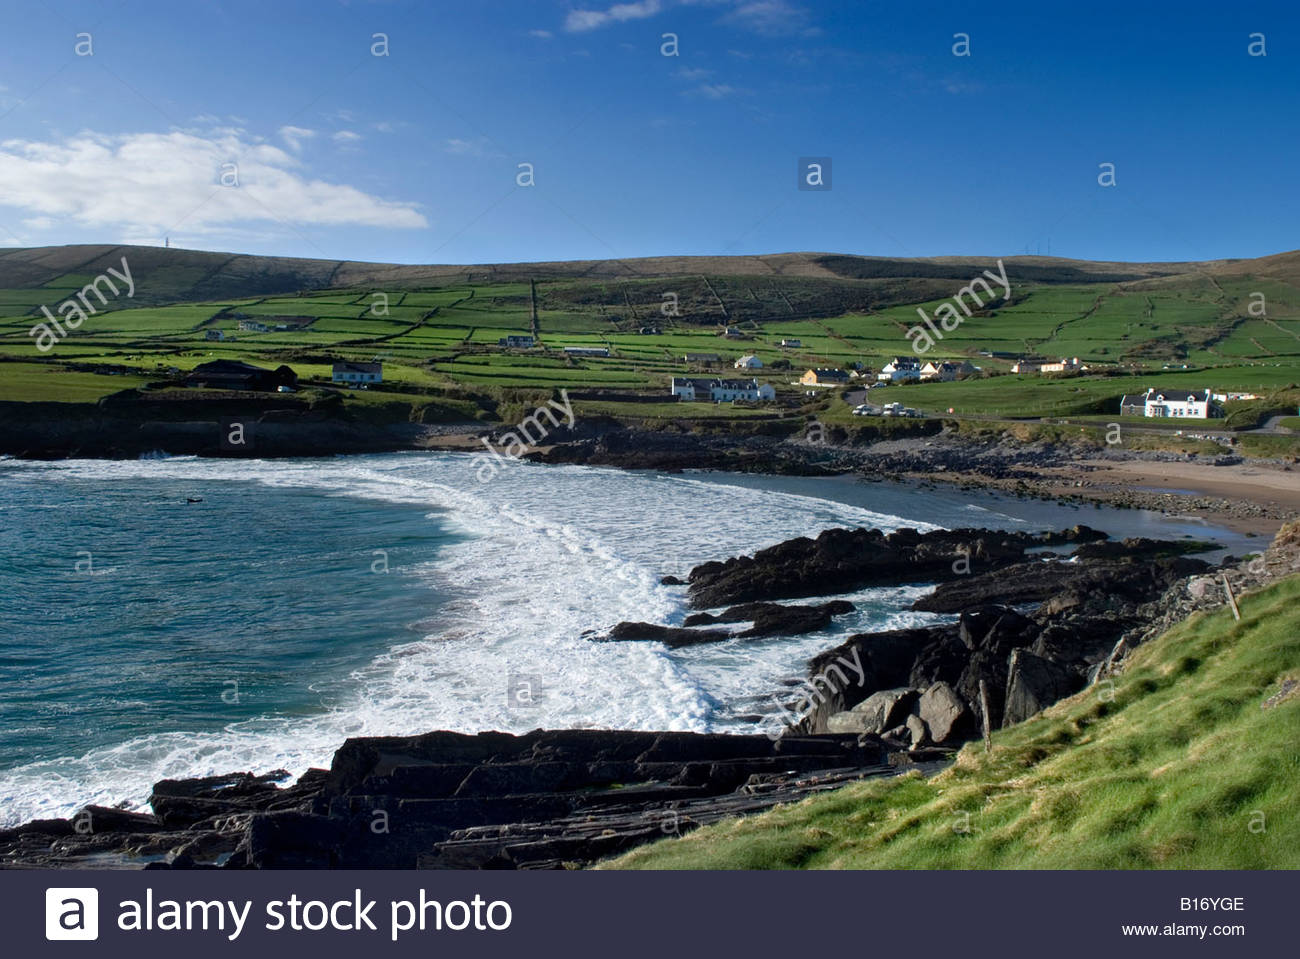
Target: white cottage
(690,389)
(1178,402)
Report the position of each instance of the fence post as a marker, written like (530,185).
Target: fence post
(984,708)
(1232,600)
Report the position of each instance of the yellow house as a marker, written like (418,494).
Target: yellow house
(824,378)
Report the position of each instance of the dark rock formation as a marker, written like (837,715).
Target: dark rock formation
(881,711)
(447,800)
(768,619)
(947,718)
(1064,584)
(668,635)
(841,560)
(1033,684)
(1026,660)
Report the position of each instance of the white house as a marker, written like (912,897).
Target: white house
(749,362)
(354,373)
(691,389)
(1170,402)
(899,370)
(1039,365)
(945,371)
(792,344)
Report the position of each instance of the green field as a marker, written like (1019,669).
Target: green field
(1175,767)
(1192,328)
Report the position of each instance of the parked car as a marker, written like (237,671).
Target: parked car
(865,410)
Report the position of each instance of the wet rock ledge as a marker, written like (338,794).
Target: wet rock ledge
(547,799)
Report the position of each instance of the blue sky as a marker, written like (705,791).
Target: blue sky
(329,151)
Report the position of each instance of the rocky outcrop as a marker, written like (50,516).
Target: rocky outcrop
(946,716)
(1063,583)
(880,712)
(133,423)
(671,636)
(842,560)
(766,619)
(1028,634)
(1033,684)
(448,800)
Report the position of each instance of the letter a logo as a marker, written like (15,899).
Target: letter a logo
(71,913)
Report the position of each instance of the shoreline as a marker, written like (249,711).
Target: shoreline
(1249,496)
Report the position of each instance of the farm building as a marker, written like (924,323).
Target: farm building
(792,344)
(749,362)
(1170,402)
(354,373)
(690,389)
(702,359)
(1040,365)
(213,335)
(1232,397)
(290,322)
(234,375)
(824,378)
(586,351)
(253,326)
(516,342)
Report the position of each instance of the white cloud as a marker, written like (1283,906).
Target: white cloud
(771,18)
(144,184)
(478,147)
(766,17)
(580,21)
(693,73)
(295,135)
(715,91)
(345,136)
(541,34)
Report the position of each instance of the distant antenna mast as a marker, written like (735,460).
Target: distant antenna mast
(167,242)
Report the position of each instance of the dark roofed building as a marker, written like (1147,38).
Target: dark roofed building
(1133,405)
(353,373)
(237,375)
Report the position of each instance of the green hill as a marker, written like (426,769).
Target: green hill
(1176,766)
(437,327)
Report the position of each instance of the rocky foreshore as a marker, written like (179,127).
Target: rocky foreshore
(927,453)
(547,799)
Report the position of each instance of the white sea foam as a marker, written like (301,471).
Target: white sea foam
(547,554)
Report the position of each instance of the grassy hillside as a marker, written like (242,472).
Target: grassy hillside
(1175,766)
(437,327)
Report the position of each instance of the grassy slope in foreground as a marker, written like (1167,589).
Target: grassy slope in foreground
(1173,772)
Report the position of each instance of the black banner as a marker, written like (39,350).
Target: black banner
(626,915)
